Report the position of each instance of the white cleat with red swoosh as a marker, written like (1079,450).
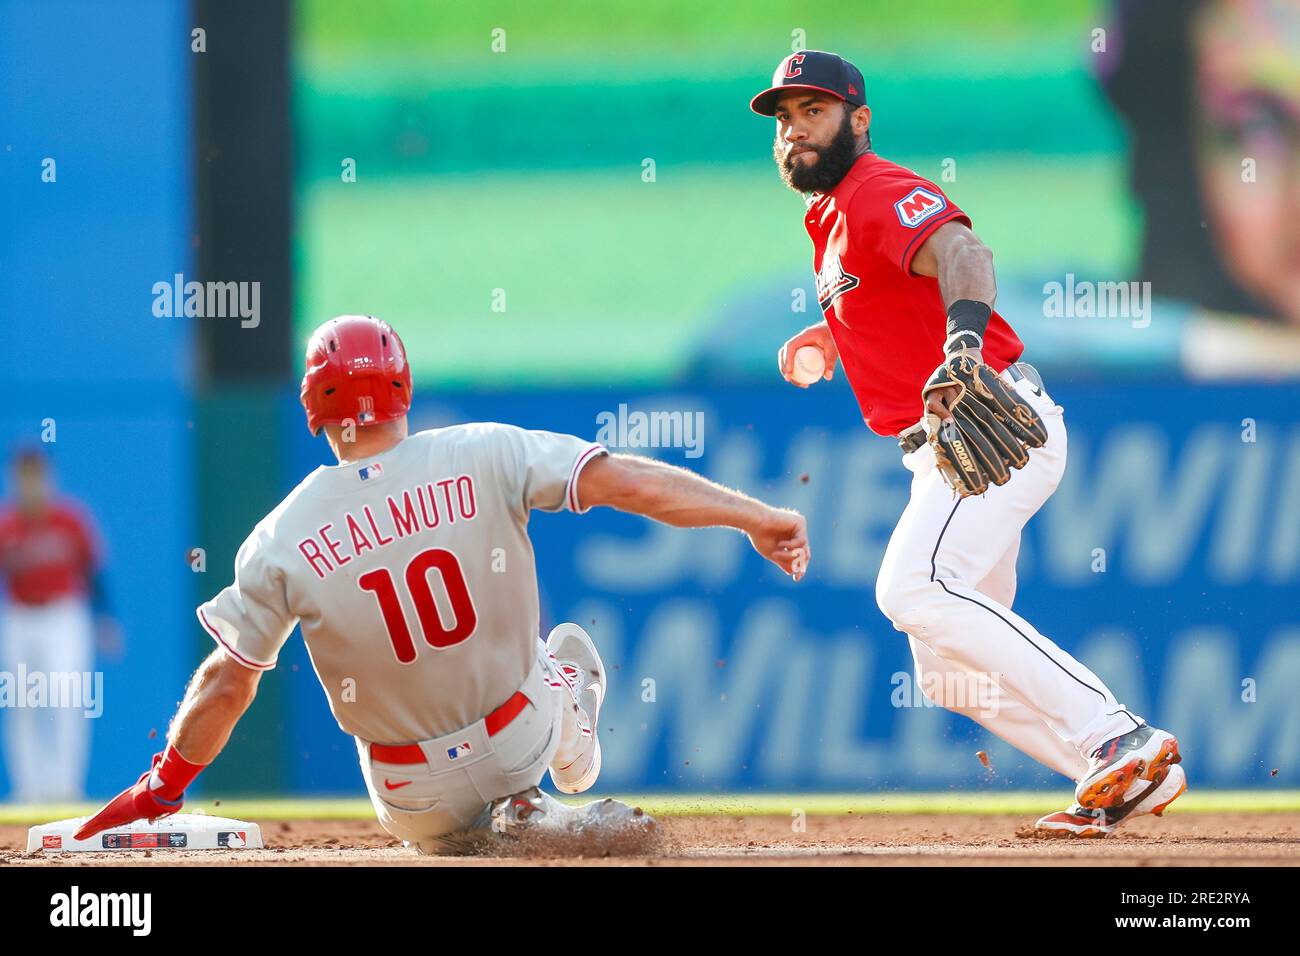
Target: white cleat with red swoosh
(581,667)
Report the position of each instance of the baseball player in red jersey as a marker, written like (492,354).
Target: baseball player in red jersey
(410,569)
(49,557)
(907,292)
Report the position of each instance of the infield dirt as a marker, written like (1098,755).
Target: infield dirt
(1191,839)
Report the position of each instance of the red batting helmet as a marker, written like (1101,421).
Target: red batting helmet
(356,371)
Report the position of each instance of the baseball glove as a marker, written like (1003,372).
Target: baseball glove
(992,429)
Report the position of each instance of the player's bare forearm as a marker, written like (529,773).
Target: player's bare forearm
(666,493)
(962,264)
(964,268)
(219,693)
(217,697)
(684,499)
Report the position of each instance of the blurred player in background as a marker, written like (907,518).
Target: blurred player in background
(50,559)
(410,569)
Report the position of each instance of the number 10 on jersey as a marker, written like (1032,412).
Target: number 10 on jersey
(380,583)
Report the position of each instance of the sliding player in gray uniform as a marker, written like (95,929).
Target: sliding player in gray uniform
(409,567)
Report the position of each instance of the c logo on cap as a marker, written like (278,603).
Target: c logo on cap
(791,66)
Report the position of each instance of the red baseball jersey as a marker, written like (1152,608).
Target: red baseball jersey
(888,323)
(49,556)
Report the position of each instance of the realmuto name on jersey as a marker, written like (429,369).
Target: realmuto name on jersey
(410,512)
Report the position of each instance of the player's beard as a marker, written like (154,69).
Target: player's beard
(833,161)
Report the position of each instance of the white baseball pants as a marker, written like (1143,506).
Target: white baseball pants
(948,580)
(418,803)
(47,749)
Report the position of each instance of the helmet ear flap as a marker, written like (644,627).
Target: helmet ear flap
(351,362)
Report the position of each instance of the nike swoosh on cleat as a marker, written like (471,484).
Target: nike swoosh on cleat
(397,786)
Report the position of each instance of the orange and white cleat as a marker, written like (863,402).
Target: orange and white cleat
(1147,797)
(1121,762)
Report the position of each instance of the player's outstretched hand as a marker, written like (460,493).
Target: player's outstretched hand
(782,538)
(136,802)
(818,335)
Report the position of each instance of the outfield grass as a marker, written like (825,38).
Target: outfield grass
(499,216)
(633,305)
(441,29)
(666,805)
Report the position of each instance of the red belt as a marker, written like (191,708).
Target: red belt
(496,722)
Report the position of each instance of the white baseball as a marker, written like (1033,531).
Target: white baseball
(809,365)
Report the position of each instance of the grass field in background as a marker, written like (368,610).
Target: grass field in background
(1026,803)
(624,275)
(521,170)
(446,27)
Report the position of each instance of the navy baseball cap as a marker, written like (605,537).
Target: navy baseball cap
(812,70)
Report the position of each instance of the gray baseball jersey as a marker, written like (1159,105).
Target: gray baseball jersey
(411,573)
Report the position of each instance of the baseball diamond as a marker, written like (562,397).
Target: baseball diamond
(518,436)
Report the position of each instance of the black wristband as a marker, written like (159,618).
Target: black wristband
(967,320)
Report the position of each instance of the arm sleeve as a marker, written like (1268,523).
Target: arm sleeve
(540,469)
(251,618)
(898,212)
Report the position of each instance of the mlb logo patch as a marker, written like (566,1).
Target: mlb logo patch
(370,471)
(460,750)
(918,206)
